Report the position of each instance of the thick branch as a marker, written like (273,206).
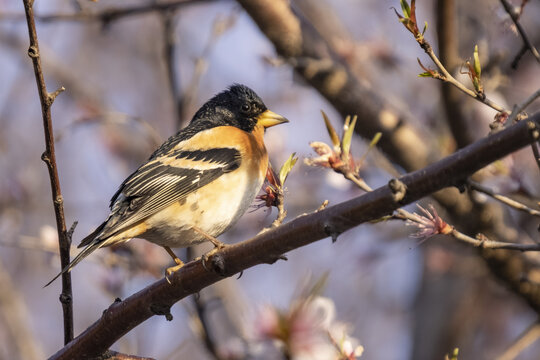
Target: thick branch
(47,99)
(156,299)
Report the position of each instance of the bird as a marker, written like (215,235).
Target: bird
(197,184)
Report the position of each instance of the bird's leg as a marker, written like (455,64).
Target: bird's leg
(218,244)
(179,263)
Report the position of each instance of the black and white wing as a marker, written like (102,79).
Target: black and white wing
(165,180)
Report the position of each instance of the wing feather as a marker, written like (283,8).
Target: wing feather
(165,180)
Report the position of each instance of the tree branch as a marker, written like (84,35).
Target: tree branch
(529,336)
(49,157)
(515,18)
(266,248)
(108,15)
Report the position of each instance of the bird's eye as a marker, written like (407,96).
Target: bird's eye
(246,107)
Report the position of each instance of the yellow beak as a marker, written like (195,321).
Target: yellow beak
(269,118)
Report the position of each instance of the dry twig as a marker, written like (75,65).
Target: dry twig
(504,199)
(444,75)
(528,337)
(108,15)
(515,18)
(432,224)
(47,99)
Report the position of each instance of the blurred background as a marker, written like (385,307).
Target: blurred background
(133,80)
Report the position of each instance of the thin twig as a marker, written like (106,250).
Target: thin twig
(358,182)
(481,241)
(444,75)
(447,77)
(504,199)
(518,109)
(47,99)
(529,336)
(516,114)
(515,18)
(486,243)
(282,213)
(323,206)
(519,55)
(108,15)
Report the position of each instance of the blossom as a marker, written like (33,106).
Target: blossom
(304,330)
(328,157)
(428,225)
(339,157)
(347,347)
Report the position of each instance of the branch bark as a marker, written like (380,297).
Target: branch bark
(157,299)
(49,157)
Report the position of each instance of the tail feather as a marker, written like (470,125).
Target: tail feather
(87,240)
(94,245)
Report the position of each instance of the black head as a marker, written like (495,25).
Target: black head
(237,106)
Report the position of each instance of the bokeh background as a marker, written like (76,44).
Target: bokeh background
(133,81)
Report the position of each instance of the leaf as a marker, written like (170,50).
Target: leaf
(331,131)
(398,14)
(375,139)
(428,72)
(347,136)
(319,285)
(347,122)
(372,144)
(406,9)
(286,168)
(477,66)
(425,28)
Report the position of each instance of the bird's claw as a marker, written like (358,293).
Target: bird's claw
(206,257)
(171,270)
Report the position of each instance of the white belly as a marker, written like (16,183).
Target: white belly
(211,212)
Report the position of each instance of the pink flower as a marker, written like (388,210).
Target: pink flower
(428,225)
(303,331)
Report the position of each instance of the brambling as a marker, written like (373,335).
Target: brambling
(197,184)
